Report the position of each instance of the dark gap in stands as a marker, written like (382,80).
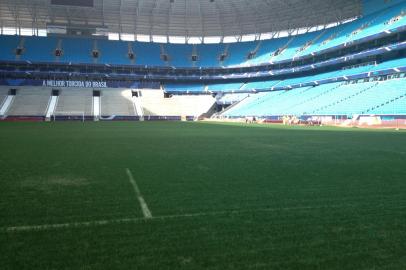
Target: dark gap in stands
(55,92)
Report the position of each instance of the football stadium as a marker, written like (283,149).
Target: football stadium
(203,134)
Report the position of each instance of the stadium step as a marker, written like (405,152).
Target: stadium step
(6,105)
(96,108)
(138,107)
(53,101)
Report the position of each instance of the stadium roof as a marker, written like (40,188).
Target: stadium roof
(178,18)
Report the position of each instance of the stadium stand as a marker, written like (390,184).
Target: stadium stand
(225,87)
(75,101)
(384,97)
(117,102)
(308,72)
(173,87)
(293,46)
(79,50)
(3,94)
(209,55)
(30,101)
(155,103)
(396,106)
(228,99)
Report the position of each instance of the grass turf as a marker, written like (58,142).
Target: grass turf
(261,197)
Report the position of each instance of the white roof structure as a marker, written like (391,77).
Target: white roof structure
(178,18)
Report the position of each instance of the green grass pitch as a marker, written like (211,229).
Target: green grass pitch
(222,196)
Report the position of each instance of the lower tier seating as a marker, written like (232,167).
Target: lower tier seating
(30,101)
(74,101)
(375,97)
(117,102)
(154,103)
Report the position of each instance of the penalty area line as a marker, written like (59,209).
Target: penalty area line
(144,207)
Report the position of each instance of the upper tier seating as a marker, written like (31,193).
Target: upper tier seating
(79,50)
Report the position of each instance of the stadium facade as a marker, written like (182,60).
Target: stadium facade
(224,60)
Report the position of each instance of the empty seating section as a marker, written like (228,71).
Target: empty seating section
(146,54)
(173,87)
(117,102)
(3,94)
(155,104)
(341,73)
(9,45)
(391,107)
(238,53)
(113,52)
(384,97)
(225,87)
(30,101)
(294,46)
(343,33)
(366,26)
(260,85)
(318,41)
(280,100)
(398,21)
(379,23)
(209,54)
(248,106)
(390,64)
(38,49)
(75,101)
(365,96)
(313,98)
(293,82)
(79,50)
(265,51)
(180,55)
(343,95)
(231,98)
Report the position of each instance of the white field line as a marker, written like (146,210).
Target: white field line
(144,207)
(45,227)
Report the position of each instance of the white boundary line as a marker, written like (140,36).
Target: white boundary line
(144,207)
(45,227)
